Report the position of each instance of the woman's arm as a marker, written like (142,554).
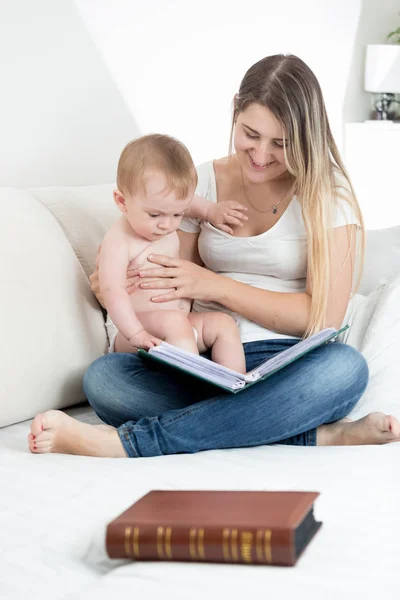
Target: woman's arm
(286,313)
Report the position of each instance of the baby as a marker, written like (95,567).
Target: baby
(156,182)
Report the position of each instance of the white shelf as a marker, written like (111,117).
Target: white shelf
(372,158)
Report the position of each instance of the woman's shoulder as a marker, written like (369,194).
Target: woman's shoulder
(206,182)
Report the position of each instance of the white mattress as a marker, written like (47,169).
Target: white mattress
(54,508)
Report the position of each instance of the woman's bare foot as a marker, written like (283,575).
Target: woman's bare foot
(375,428)
(54,431)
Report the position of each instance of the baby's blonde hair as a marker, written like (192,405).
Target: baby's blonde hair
(156,153)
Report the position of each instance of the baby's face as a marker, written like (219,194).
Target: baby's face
(157,212)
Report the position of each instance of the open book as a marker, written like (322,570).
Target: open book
(225,378)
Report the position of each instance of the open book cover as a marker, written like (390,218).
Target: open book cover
(227,379)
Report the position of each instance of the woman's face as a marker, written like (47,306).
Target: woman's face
(258,141)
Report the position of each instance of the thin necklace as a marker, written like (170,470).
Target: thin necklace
(274,207)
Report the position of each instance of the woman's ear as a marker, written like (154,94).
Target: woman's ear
(120,201)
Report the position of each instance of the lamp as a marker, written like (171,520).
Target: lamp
(382,75)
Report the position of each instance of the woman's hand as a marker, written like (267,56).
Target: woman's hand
(184,278)
(95,282)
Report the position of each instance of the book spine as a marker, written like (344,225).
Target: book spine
(226,545)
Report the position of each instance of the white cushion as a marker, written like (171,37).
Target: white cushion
(382,258)
(375,331)
(84,213)
(52,327)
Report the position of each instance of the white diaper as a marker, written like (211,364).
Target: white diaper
(112,333)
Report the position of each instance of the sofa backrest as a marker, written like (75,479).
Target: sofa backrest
(52,326)
(84,214)
(382,258)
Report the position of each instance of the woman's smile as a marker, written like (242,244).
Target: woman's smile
(260,167)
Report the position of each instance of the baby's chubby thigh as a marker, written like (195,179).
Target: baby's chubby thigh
(211,326)
(172,326)
(218,331)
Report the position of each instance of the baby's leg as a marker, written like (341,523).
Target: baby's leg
(219,332)
(171,326)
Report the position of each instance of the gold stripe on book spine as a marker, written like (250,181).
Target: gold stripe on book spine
(192,543)
(263,545)
(225,544)
(168,549)
(267,545)
(136,552)
(246,546)
(127,540)
(160,551)
(234,546)
(200,543)
(259,548)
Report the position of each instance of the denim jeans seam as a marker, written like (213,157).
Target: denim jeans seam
(122,432)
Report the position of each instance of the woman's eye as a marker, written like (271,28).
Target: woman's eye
(153,216)
(252,137)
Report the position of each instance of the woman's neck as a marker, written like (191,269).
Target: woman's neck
(260,190)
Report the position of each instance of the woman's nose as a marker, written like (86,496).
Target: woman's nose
(261,154)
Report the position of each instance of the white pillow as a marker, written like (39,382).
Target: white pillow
(375,331)
(382,258)
(84,213)
(52,328)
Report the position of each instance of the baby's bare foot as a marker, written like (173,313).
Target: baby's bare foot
(54,431)
(375,428)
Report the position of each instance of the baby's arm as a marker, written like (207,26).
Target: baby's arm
(113,262)
(220,214)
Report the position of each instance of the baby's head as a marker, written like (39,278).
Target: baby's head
(156,182)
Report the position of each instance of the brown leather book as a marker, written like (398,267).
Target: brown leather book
(265,528)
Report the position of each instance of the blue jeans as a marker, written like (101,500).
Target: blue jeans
(158,411)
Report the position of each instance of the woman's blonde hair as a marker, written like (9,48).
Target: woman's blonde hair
(156,153)
(289,89)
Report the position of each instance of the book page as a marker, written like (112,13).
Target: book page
(211,371)
(198,365)
(295,351)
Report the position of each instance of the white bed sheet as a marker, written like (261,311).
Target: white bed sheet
(54,508)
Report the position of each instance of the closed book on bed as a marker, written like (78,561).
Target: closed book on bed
(248,527)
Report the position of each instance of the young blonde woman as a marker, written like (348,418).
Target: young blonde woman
(287,272)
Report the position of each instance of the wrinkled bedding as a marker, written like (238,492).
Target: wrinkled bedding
(54,509)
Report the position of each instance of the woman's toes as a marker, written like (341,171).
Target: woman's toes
(392,425)
(43,448)
(39,440)
(37,425)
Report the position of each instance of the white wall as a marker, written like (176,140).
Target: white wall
(62,118)
(178,64)
(377,19)
(80,78)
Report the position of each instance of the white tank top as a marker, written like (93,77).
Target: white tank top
(275,260)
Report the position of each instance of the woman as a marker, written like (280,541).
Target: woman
(286,272)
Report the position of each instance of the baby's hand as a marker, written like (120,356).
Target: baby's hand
(143,339)
(228,212)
